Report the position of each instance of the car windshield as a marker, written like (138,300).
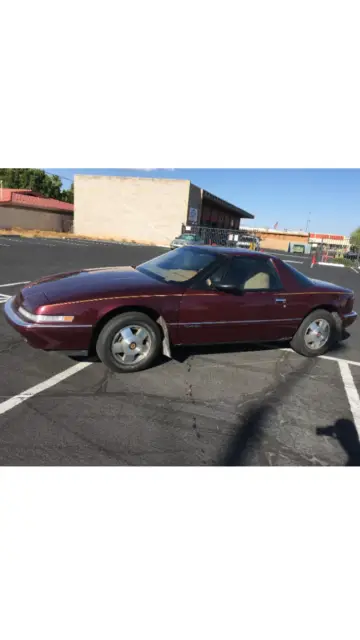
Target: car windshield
(180,265)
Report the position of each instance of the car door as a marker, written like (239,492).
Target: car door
(257,311)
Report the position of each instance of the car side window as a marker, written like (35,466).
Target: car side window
(218,275)
(251,274)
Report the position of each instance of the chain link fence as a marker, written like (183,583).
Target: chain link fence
(216,237)
(325,252)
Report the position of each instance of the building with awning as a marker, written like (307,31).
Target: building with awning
(25,209)
(151,210)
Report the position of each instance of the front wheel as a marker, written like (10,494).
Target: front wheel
(316,334)
(129,342)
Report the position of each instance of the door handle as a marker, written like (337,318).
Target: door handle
(280,300)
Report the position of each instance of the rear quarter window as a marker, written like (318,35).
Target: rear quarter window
(299,277)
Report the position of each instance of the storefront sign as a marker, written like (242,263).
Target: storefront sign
(193,215)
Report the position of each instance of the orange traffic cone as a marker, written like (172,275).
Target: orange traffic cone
(313,260)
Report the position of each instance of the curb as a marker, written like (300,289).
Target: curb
(9,235)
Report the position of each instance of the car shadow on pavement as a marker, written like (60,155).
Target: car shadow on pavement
(344,431)
(95,359)
(181,354)
(251,425)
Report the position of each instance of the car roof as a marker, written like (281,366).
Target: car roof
(235,251)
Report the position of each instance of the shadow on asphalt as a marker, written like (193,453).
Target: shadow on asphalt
(251,426)
(181,354)
(94,358)
(344,431)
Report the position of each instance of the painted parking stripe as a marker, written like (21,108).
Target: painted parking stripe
(331,264)
(351,392)
(47,384)
(13,284)
(353,363)
(294,261)
(4,298)
(32,241)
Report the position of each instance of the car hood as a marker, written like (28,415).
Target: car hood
(94,283)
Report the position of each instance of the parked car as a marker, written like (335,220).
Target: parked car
(248,242)
(351,255)
(186,239)
(190,296)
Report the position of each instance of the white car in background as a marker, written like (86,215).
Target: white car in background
(185,240)
(248,242)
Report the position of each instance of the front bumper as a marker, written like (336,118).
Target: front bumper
(49,337)
(349,318)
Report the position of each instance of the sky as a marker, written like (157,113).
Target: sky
(321,200)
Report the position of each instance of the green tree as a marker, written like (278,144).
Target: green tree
(68,195)
(37,180)
(355,238)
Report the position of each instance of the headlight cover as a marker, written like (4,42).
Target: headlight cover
(43,318)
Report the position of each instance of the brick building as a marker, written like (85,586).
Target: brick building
(147,209)
(280,239)
(25,209)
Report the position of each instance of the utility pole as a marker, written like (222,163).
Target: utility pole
(308,222)
(1,189)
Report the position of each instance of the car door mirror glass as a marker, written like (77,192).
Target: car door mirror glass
(227,287)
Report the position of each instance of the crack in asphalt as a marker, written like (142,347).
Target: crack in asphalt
(10,347)
(100,448)
(189,394)
(164,408)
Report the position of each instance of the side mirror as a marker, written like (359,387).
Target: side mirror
(227,288)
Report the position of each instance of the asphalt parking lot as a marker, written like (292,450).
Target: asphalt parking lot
(218,406)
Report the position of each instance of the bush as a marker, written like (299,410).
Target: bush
(344,261)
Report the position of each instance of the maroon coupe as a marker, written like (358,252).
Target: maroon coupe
(189,296)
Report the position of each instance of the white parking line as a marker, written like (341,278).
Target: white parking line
(330,264)
(13,284)
(30,241)
(4,298)
(353,363)
(33,391)
(295,261)
(351,392)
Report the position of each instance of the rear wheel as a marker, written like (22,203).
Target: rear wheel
(129,342)
(316,334)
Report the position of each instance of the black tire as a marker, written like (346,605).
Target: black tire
(300,341)
(112,330)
